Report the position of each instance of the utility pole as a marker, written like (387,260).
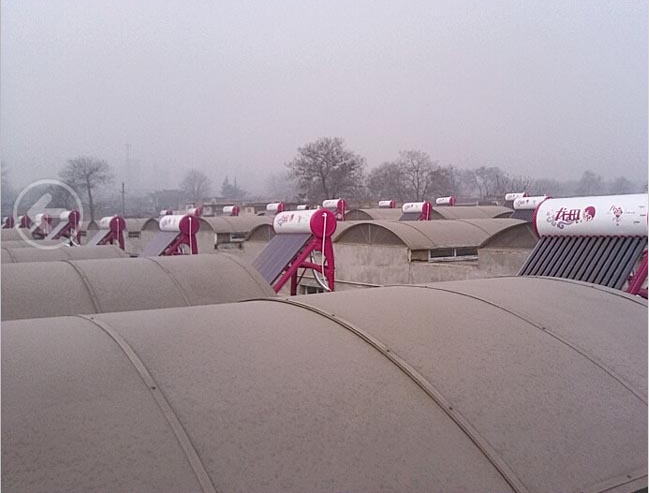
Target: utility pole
(123,201)
(128,172)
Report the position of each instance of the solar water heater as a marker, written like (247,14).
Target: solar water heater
(416,211)
(177,236)
(111,232)
(300,236)
(601,240)
(337,206)
(41,227)
(68,227)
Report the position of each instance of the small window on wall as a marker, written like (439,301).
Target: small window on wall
(133,234)
(452,254)
(304,289)
(237,237)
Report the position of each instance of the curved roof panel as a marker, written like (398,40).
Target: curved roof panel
(19,255)
(423,235)
(89,225)
(28,244)
(385,214)
(137,224)
(457,212)
(12,234)
(234,224)
(471,212)
(30,290)
(261,232)
(517,236)
(464,386)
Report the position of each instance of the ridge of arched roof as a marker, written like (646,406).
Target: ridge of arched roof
(481,385)
(234,224)
(423,235)
(123,284)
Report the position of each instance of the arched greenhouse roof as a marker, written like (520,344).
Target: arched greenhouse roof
(423,235)
(34,290)
(510,384)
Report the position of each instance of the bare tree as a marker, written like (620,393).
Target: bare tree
(325,169)
(387,182)
(464,183)
(196,185)
(8,194)
(422,176)
(232,190)
(492,182)
(590,184)
(86,174)
(621,185)
(280,185)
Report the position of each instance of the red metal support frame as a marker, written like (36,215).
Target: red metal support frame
(24,222)
(115,233)
(43,228)
(426,211)
(300,262)
(638,278)
(175,248)
(71,229)
(113,237)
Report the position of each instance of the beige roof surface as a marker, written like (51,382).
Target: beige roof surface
(423,235)
(33,254)
(12,234)
(471,212)
(513,384)
(234,224)
(89,225)
(261,232)
(30,243)
(385,214)
(136,224)
(456,212)
(33,290)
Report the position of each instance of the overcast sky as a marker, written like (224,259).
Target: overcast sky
(540,88)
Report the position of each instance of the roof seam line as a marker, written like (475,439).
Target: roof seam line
(247,268)
(173,279)
(467,221)
(11,255)
(436,396)
(170,415)
(597,287)
(622,480)
(574,347)
(419,232)
(87,284)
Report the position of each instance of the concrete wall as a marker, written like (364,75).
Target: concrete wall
(246,250)
(374,264)
(502,261)
(135,245)
(206,240)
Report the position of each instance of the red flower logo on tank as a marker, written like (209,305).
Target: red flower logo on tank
(617,212)
(589,213)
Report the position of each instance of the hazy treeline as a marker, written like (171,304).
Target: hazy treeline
(327,169)
(322,169)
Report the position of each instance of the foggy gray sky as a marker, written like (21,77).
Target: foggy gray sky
(546,89)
